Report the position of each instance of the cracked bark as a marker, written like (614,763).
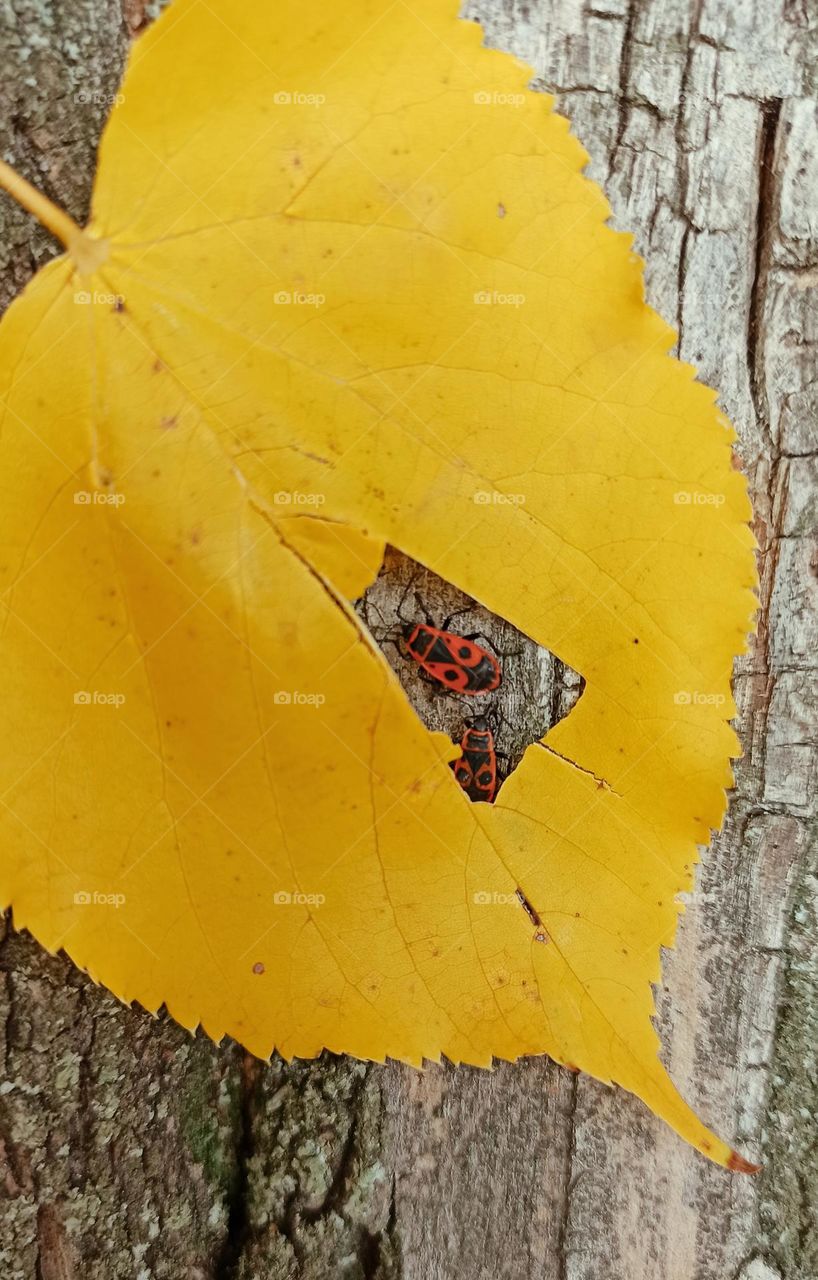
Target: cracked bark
(129,1149)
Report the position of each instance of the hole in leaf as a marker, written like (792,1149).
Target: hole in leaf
(537,689)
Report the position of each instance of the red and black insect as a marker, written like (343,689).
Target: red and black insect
(476,770)
(455,661)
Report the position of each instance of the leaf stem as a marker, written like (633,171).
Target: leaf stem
(49,214)
(87,251)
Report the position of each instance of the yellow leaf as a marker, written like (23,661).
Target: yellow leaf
(343,285)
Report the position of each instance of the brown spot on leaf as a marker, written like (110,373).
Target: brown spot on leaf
(528,908)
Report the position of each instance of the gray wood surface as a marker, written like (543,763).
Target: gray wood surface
(129,1149)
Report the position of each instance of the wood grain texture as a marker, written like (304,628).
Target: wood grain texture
(129,1149)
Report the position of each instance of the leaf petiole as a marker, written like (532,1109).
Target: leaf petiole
(87,251)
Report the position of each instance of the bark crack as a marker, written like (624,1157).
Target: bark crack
(765,227)
(239,1223)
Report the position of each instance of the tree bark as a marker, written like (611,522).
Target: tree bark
(129,1149)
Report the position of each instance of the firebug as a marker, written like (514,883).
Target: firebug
(476,770)
(456,661)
